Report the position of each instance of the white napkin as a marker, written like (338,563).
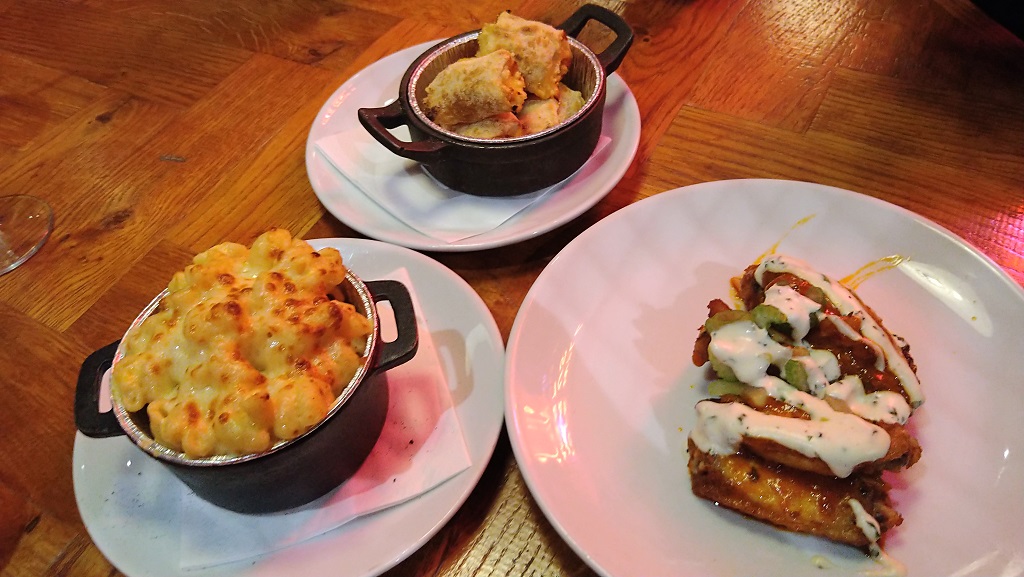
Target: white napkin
(401,187)
(420,447)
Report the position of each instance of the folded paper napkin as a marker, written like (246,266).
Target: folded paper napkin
(420,447)
(402,188)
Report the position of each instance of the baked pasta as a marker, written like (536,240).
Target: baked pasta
(472,89)
(810,404)
(248,347)
(542,51)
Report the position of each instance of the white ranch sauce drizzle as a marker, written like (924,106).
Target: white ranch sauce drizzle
(747,349)
(880,406)
(847,303)
(848,332)
(869,526)
(797,308)
(821,368)
(890,567)
(865,522)
(841,440)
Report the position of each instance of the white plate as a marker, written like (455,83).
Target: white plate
(600,388)
(470,348)
(378,84)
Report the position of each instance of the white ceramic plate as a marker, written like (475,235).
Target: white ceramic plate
(143,539)
(600,388)
(378,84)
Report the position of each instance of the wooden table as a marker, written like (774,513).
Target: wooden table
(157,129)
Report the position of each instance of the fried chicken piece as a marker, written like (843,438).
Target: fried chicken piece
(792,499)
(855,357)
(904,450)
(809,406)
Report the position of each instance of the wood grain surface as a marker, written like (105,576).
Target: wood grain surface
(158,129)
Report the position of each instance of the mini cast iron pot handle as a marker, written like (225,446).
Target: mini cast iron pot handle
(377,121)
(403,348)
(88,417)
(616,51)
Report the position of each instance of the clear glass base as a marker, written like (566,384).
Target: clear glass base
(25,224)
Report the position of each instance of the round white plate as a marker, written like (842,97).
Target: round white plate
(379,83)
(141,537)
(600,387)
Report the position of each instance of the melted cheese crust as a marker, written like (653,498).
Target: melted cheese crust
(246,349)
(512,86)
(504,125)
(472,89)
(542,51)
(539,115)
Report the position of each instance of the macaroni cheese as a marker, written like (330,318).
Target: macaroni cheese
(248,348)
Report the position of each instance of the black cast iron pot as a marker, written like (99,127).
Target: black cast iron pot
(293,472)
(503,166)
